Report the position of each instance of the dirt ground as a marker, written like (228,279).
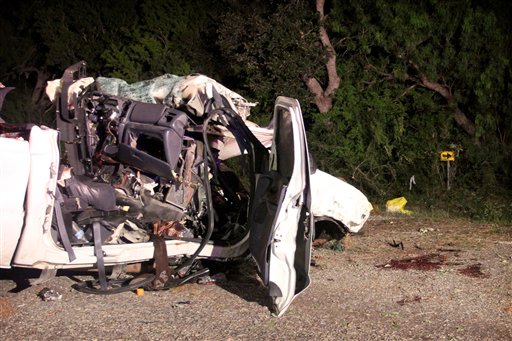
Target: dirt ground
(401,278)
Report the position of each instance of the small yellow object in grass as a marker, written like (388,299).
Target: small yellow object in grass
(397,205)
(140,291)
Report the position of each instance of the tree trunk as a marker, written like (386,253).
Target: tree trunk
(464,122)
(323,97)
(460,117)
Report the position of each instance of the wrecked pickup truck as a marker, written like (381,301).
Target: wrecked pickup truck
(167,170)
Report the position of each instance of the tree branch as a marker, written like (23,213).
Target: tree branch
(460,117)
(323,98)
(323,103)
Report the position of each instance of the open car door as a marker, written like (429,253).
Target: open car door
(281,223)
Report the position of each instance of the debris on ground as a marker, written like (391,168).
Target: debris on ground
(48,294)
(320,242)
(205,280)
(426,230)
(397,205)
(180,304)
(331,238)
(396,244)
(335,245)
(218,278)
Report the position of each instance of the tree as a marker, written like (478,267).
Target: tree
(45,37)
(443,47)
(271,49)
(323,97)
(417,78)
(142,39)
(167,37)
(19,64)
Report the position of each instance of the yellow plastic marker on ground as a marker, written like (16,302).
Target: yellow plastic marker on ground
(397,205)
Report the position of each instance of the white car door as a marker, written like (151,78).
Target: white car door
(14,174)
(281,223)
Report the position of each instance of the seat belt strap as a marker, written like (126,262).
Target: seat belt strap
(99,255)
(61,227)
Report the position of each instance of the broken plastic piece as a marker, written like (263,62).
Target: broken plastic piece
(397,205)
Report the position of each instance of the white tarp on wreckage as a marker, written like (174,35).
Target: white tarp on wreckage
(331,197)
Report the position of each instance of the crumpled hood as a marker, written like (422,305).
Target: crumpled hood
(336,199)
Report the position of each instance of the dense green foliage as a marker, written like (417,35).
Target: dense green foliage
(270,48)
(387,125)
(131,39)
(416,78)
(166,37)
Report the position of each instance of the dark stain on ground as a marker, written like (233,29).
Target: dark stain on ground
(432,261)
(474,270)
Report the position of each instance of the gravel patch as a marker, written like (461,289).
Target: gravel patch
(353,296)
